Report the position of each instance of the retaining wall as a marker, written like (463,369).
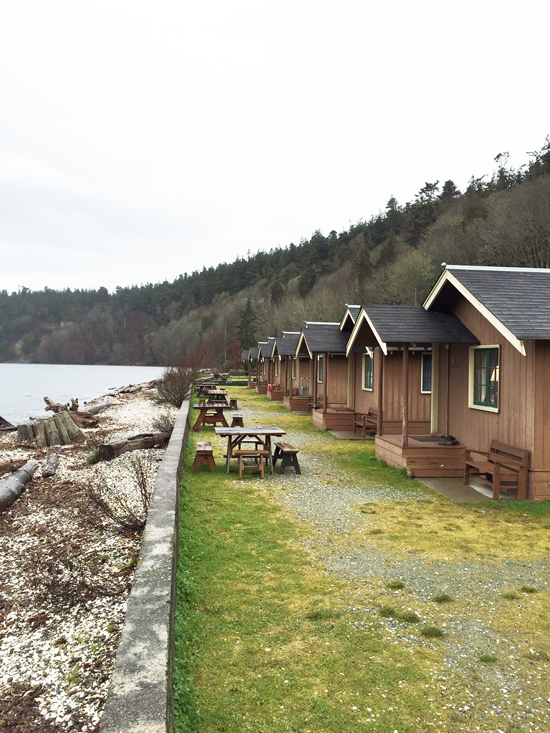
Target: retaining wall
(140,696)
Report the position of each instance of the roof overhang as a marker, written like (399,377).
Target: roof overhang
(363,323)
(448,277)
(300,351)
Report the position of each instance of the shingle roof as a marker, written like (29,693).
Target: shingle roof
(518,297)
(253,353)
(354,311)
(325,337)
(244,355)
(413,324)
(286,346)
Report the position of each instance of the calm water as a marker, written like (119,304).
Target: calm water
(24,386)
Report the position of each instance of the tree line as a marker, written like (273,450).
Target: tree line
(393,257)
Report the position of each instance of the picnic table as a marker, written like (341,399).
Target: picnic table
(216,395)
(253,434)
(202,389)
(210,415)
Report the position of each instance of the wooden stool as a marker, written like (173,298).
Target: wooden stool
(259,455)
(237,421)
(205,455)
(233,403)
(289,455)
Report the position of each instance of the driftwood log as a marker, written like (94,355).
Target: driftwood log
(13,486)
(107,451)
(94,409)
(51,465)
(83,419)
(11,466)
(5,425)
(130,389)
(56,430)
(54,406)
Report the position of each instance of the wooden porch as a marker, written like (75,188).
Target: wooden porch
(334,419)
(422,456)
(296,403)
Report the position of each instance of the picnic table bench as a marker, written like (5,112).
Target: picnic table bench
(503,468)
(288,455)
(204,455)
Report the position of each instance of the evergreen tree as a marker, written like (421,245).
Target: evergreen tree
(247,326)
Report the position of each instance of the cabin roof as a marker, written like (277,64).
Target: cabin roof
(319,337)
(253,353)
(516,300)
(391,324)
(349,317)
(244,355)
(286,346)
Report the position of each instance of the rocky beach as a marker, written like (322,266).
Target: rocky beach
(68,550)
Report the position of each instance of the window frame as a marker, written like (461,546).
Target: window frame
(277,366)
(422,390)
(364,372)
(320,368)
(484,406)
(294,360)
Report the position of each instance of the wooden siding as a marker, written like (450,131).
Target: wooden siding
(336,375)
(419,404)
(523,418)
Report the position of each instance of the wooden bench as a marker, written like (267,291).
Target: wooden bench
(504,468)
(204,455)
(289,455)
(256,453)
(366,422)
(233,404)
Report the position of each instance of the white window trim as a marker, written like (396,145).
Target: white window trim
(471,403)
(276,367)
(320,360)
(426,391)
(363,370)
(294,368)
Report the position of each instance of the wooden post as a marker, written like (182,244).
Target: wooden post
(325,381)
(405,396)
(314,366)
(380,391)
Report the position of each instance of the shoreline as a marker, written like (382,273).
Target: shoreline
(66,569)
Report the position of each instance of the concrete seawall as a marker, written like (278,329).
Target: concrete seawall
(140,697)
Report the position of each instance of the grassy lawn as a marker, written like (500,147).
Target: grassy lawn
(354,599)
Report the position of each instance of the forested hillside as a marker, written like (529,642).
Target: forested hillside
(393,257)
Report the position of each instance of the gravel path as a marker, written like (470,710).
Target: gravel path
(511,693)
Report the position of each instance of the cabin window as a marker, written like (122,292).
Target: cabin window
(484,377)
(367,371)
(294,368)
(276,367)
(426,387)
(320,365)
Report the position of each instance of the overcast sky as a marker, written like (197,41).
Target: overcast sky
(141,140)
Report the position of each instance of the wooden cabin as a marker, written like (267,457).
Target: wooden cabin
(499,388)
(289,373)
(252,366)
(262,367)
(324,345)
(391,349)
(275,392)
